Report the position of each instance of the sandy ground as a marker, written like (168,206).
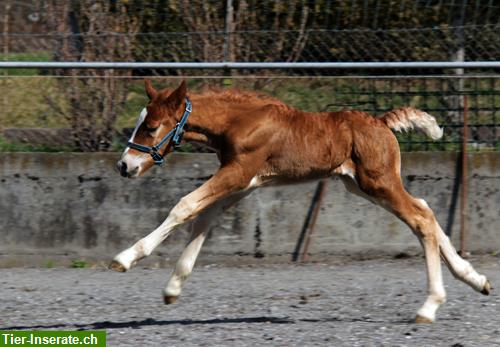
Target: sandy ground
(353,303)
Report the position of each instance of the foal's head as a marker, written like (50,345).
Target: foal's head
(159,117)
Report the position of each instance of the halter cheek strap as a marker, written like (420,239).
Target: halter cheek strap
(174,135)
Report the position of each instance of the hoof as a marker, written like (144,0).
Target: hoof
(423,320)
(487,288)
(170,299)
(117,266)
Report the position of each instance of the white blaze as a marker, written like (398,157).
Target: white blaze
(141,119)
(135,161)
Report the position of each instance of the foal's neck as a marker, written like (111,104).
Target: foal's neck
(208,117)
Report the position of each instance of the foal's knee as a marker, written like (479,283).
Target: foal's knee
(183,211)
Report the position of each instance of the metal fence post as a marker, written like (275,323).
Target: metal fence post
(463,200)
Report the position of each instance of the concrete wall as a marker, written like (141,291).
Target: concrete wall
(61,207)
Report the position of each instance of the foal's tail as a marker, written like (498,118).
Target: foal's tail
(407,118)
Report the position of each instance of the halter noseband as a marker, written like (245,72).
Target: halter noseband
(175,135)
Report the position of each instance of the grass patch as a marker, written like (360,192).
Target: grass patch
(33,56)
(24,103)
(79,264)
(48,264)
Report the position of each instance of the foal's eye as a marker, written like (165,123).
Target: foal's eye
(151,131)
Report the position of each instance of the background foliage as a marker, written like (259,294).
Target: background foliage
(96,104)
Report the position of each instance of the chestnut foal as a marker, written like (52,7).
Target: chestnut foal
(259,142)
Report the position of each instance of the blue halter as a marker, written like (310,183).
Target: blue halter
(175,134)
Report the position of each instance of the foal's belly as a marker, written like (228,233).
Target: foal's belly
(275,178)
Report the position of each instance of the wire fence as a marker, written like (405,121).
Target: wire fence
(443,98)
(468,43)
(96,111)
(95,105)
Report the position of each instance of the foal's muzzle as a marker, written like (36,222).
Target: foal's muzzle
(122,168)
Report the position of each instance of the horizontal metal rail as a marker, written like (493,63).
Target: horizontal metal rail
(243,65)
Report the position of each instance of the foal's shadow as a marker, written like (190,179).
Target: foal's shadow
(138,324)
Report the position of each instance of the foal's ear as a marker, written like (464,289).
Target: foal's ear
(150,90)
(175,99)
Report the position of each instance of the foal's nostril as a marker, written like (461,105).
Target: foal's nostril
(122,168)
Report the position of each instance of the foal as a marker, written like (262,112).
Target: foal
(260,142)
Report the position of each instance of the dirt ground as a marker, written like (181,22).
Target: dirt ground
(340,303)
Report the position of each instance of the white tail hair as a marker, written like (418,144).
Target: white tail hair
(407,118)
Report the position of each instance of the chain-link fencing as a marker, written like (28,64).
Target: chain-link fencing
(468,43)
(96,111)
(94,105)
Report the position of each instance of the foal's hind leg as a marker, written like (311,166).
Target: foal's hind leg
(200,229)
(388,192)
(459,267)
(420,219)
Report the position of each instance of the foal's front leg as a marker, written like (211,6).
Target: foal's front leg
(228,180)
(200,229)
